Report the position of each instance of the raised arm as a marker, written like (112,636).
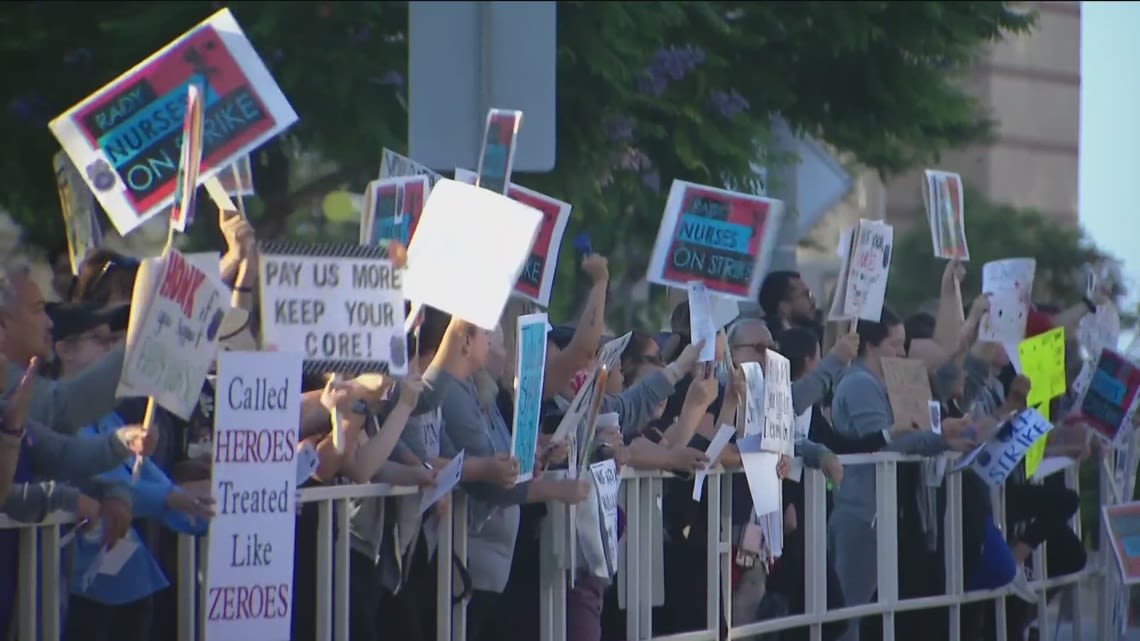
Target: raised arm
(561,366)
(69,404)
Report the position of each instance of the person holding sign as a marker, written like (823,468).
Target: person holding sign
(860,407)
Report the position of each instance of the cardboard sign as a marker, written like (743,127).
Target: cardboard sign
(908,389)
(126,137)
(536,281)
(1000,454)
(394,165)
(249,579)
(942,195)
(392,209)
(722,238)
(172,337)
(469,248)
(1009,283)
(863,276)
(339,305)
(1123,525)
(1100,330)
(1110,399)
(531,368)
(190,160)
(497,158)
(80,217)
(779,417)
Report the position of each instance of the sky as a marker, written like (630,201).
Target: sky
(1109,198)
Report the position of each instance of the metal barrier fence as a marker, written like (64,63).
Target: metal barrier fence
(640,576)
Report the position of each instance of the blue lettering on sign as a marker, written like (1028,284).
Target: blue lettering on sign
(385,228)
(714,234)
(1108,387)
(160,119)
(1131,546)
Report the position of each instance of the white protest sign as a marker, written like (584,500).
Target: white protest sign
(754,400)
(394,165)
(1009,283)
(1101,330)
(126,137)
(996,458)
(863,279)
(712,452)
(579,410)
(607,482)
(80,218)
(249,580)
(447,479)
(172,337)
(530,374)
(468,250)
(340,305)
(760,470)
(779,417)
(701,326)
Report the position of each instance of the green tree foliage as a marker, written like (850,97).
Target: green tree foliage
(647,92)
(994,232)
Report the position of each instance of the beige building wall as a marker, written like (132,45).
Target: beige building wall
(1031,86)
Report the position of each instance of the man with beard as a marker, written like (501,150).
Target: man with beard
(787,302)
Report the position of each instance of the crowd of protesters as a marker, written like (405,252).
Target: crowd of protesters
(67,444)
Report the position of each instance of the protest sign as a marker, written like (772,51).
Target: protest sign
(80,217)
(908,389)
(237,179)
(942,194)
(1009,284)
(573,420)
(863,276)
(1110,399)
(996,458)
(500,137)
(722,238)
(394,165)
(1100,330)
(172,335)
(249,576)
(760,470)
(340,305)
(125,138)
(469,248)
(607,483)
(392,209)
(1123,525)
(701,326)
(537,278)
(755,399)
(1042,361)
(530,370)
(189,160)
(779,417)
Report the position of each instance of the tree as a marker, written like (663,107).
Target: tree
(647,92)
(994,232)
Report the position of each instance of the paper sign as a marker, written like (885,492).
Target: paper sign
(391,209)
(468,251)
(1051,466)
(722,238)
(80,218)
(701,326)
(307,462)
(1042,361)
(113,560)
(172,336)
(716,446)
(1100,330)
(607,483)
(537,278)
(498,154)
(779,417)
(1009,283)
(934,470)
(394,165)
(723,310)
(576,415)
(755,399)
(445,481)
(1123,525)
(340,305)
(760,469)
(125,138)
(942,194)
(996,458)
(908,388)
(1109,401)
(863,276)
(190,158)
(237,179)
(530,369)
(249,579)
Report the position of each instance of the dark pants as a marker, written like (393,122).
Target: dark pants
(410,614)
(483,608)
(304,625)
(89,620)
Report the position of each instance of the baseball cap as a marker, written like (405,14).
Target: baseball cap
(72,319)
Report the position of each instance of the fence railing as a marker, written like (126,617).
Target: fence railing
(640,575)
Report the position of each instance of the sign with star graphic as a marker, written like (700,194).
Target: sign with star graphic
(126,138)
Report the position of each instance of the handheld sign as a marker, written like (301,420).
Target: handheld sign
(392,209)
(394,165)
(80,218)
(125,137)
(942,195)
(530,368)
(863,278)
(498,155)
(189,162)
(722,238)
(1109,401)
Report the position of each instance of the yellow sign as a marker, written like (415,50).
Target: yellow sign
(1043,363)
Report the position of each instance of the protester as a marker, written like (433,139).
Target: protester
(787,302)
